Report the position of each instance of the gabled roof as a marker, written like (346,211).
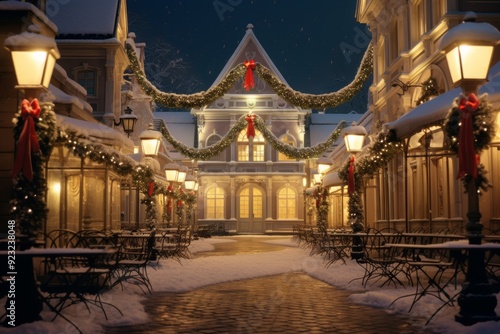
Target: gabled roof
(89,19)
(249,48)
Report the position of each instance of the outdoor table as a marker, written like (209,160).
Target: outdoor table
(28,296)
(433,284)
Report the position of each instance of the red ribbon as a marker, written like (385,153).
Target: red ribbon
(179,203)
(466,151)
(28,142)
(169,206)
(350,177)
(249,81)
(250,128)
(151,187)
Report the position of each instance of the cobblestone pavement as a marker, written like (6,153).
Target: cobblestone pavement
(286,303)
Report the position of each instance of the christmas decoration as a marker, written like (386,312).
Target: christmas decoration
(28,204)
(320,196)
(483,131)
(234,131)
(350,177)
(429,90)
(302,100)
(28,141)
(249,81)
(250,128)
(382,150)
(466,151)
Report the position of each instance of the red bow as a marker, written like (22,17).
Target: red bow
(169,206)
(350,177)
(28,142)
(466,151)
(179,203)
(249,81)
(151,188)
(250,128)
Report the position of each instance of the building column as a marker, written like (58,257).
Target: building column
(232,187)
(269,196)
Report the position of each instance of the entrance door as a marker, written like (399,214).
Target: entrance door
(251,211)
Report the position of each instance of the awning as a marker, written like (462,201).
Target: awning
(435,110)
(97,132)
(332,179)
(310,191)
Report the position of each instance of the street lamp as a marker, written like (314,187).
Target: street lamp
(34,57)
(190,182)
(182,174)
(127,121)
(171,172)
(150,141)
(323,164)
(469,48)
(354,138)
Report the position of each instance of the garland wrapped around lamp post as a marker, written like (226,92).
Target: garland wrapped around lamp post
(469,49)
(30,185)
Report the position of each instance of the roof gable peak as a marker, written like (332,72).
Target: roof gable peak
(249,48)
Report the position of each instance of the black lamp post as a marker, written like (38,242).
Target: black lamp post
(34,57)
(354,137)
(469,48)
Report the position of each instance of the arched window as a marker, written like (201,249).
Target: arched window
(214,139)
(287,139)
(251,151)
(215,203)
(287,203)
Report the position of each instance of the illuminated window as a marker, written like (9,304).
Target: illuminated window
(287,139)
(287,199)
(251,151)
(215,203)
(251,203)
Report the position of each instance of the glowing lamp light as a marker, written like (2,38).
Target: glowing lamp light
(469,49)
(323,164)
(304,182)
(150,141)
(34,57)
(171,172)
(182,174)
(127,121)
(317,178)
(190,182)
(354,138)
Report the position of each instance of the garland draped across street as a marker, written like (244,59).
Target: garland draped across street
(234,131)
(200,99)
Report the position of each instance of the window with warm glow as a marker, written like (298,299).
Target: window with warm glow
(287,199)
(215,203)
(251,150)
(251,203)
(287,139)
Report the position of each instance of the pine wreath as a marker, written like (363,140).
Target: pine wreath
(483,126)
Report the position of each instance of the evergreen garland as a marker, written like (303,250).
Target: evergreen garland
(198,100)
(483,125)
(28,205)
(429,90)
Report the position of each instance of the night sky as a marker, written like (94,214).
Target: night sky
(316,45)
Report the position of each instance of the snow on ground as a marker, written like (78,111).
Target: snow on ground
(170,275)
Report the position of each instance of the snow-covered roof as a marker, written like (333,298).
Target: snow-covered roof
(332,179)
(97,132)
(78,18)
(435,110)
(322,125)
(249,48)
(62,97)
(17,5)
(181,125)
